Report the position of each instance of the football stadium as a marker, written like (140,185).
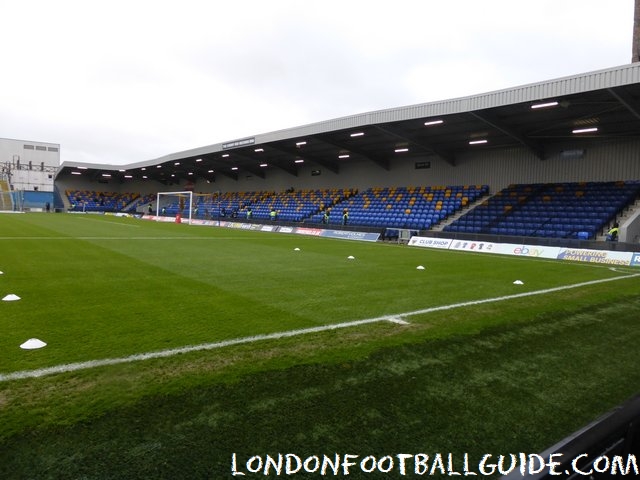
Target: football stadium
(441,289)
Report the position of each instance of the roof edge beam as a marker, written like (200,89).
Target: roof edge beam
(253,171)
(334,167)
(378,160)
(487,118)
(626,100)
(446,156)
(231,175)
(290,170)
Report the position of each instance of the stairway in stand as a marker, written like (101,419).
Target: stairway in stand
(5,196)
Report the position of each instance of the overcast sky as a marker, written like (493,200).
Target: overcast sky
(124,81)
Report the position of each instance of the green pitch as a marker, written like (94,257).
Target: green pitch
(513,375)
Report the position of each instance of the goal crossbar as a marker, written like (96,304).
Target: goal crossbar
(184,207)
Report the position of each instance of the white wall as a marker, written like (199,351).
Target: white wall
(32,165)
(32,180)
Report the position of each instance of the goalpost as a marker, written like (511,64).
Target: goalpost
(174,204)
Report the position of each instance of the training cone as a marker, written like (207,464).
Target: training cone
(11,298)
(419,267)
(518,282)
(296,249)
(32,344)
(351,257)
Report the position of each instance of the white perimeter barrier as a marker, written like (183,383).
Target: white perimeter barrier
(540,251)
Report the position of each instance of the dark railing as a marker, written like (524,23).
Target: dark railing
(591,452)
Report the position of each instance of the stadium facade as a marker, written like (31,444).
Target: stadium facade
(580,128)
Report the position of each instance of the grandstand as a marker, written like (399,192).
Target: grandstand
(423,167)
(567,213)
(417,208)
(98,201)
(556,210)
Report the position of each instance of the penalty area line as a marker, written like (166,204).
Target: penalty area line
(395,318)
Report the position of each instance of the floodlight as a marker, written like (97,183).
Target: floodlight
(544,105)
(585,130)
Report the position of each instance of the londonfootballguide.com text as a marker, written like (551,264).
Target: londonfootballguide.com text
(422,464)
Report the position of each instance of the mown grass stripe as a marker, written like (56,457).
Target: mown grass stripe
(395,318)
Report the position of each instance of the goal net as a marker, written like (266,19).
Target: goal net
(174,204)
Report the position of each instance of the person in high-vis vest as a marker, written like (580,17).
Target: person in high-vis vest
(273,214)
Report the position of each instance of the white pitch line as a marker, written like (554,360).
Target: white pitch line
(124,238)
(396,318)
(72,367)
(399,321)
(517,295)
